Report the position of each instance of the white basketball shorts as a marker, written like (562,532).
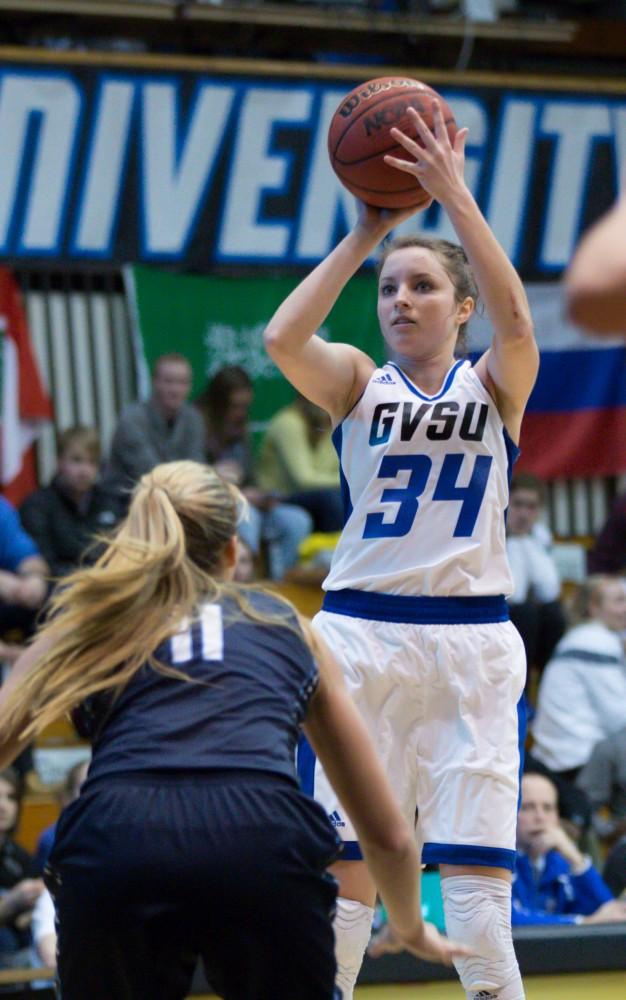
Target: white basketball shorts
(443,703)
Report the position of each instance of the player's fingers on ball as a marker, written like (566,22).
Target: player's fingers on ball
(406,141)
(393,161)
(460,140)
(441,132)
(422,128)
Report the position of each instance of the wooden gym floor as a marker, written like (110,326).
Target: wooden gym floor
(602,985)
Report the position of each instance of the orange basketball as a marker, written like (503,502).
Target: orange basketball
(358,139)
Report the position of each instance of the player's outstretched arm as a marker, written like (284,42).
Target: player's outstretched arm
(342,744)
(510,368)
(330,375)
(595,283)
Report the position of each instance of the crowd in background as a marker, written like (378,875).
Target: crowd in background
(572,821)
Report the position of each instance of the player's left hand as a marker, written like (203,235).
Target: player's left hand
(426,943)
(437,163)
(384,942)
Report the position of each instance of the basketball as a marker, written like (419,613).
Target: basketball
(358,139)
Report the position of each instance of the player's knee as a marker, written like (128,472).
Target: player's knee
(478,915)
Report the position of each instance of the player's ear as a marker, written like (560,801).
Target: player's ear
(465,309)
(229,557)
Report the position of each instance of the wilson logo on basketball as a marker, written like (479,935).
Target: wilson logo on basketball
(373,88)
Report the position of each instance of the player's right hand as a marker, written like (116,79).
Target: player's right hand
(381,221)
(426,942)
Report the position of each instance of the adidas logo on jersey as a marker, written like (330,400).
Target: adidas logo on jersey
(385,379)
(484,995)
(336,819)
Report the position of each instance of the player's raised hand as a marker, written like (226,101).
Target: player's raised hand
(437,163)
(381,221)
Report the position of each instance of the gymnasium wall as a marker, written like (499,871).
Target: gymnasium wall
(219,167)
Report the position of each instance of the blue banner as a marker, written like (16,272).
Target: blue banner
(201,172)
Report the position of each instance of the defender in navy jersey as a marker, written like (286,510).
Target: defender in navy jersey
(415,605)
(191,837)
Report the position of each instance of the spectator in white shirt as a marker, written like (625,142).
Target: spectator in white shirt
(582,695)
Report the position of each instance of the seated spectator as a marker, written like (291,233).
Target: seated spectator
(23,590)
(43,926)
(225,407)
(70,791)
(298,462)
(164,428)
(19,888)
(23,583)
(608,553)
(554,883)
(582,695)
(535,606)
(603,779)
(63,517)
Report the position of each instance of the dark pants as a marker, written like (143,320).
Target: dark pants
(150,875)
(540,626)
(614,873)
(325,507)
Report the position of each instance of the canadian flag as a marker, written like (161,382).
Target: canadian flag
(25,405)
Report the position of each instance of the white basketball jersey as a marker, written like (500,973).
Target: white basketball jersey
(426,485)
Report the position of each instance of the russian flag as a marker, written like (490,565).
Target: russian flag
(575,422)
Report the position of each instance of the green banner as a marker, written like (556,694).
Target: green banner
(220,321)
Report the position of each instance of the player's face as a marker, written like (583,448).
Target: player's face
(8,806)
(538,811)
(417,310)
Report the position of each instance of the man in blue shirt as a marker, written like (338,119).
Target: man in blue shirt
(23,590)
(554,883)
(23,584)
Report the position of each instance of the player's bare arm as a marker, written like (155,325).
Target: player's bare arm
(509,368)
(595,283)
(331,375)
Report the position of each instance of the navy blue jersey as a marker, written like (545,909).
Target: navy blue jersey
(242,708)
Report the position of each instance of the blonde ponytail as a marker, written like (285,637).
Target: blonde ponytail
(107,620)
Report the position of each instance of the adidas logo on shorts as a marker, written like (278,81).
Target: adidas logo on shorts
(336,819)
(485,995)
(385,379)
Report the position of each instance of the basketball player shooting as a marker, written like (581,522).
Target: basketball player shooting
(415,604)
